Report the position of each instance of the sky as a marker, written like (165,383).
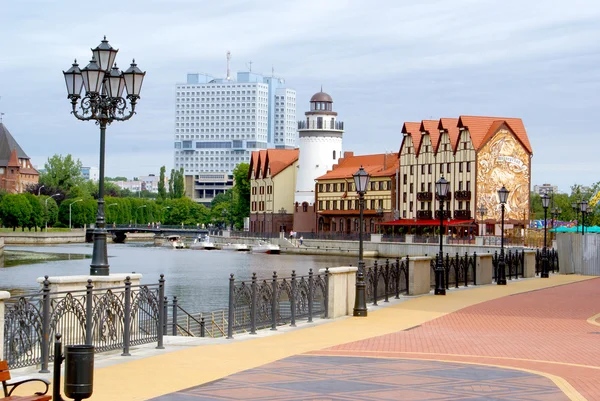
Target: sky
(384,62)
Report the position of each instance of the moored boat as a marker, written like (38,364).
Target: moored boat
(175,241)
(235,247)
(203,242)
(265,247)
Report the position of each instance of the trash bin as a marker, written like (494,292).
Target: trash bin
(79,371)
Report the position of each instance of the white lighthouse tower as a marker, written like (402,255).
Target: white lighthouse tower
(320,137)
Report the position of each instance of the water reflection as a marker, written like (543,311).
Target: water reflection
(199,279)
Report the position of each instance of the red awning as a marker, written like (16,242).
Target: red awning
(430,222)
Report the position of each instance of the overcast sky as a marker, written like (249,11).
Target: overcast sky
(383,62)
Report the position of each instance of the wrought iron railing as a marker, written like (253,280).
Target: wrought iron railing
(261,303)
(458,270)
(108,318)
(386,280)
(514,261)
(552,261)
(426,239)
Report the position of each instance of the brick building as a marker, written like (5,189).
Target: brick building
(16,171)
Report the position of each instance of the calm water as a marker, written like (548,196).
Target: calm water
(199,279)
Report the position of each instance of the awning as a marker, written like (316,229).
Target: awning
(428,222)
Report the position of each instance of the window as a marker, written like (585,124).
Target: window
(342,187)
(422,187)
(334,155)
(262,190)
(412,170)
(304,207)
(253,190)
(342,203)
(445,146)
(410,209)
(468,185)
(460,205)
(422,169)
(320,187)
(441,168)
(422,205)
(335,187)
(428,187)
(448,168)
(460,168)
(404,197)
(349,205)
(468,205)
(381,185)
(356,205)
(320,205)
(270,189)
(327,187)
(380,203)
(405,179)
(411,188)
(460,186)
(373,185)
(335,205)
(327,205)
(429,169)
(468,166)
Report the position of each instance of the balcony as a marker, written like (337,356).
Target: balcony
(424,196)
(462,214)
(423,214)
(325,125)
(448,196)
(462,195)
(446,214)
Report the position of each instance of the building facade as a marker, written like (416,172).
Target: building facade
(16,170)
(272,178)
(220,121)
(545,189)
(90,173)
(320,138)
(338,203)
(477,155)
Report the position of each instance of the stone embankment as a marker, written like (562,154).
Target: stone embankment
(42,238)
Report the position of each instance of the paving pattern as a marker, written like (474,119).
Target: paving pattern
(359,378)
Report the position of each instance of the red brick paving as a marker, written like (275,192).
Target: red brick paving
(538,327)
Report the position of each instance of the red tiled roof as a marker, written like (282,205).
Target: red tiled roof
(279,159)
(253,164)
(375,165)
(431,127)
(451,126)
(412,130)
(482,128)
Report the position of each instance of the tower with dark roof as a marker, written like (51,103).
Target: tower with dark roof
(16,171)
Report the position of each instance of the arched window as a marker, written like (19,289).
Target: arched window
(321,222)
(331,124)
(334,155)
(333,226)
(307,122)
(304,207)
(341,225)
(371,226)
(320,122)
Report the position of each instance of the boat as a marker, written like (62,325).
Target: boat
(235,247)
(266,247)
(175,242)
(203,242)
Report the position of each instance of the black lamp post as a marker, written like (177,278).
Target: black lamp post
(583,206)
(104,103)
(556,211)
(441,190)
(545,204)
(575,206)
(482,210)
(501,274)
(361,182)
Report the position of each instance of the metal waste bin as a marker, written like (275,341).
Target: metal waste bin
(79,371)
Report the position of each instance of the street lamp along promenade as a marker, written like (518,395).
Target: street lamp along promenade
(501,273)
(46,208)
(104,103)
(583,206)
(70,205)
(361,182)
(482,210)
(441,189)
(545,204)
(575,206)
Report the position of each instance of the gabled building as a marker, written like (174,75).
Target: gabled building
(16,171)
(477,155)
(338,203)
(272,176)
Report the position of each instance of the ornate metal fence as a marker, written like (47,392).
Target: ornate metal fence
(514,261)
(108,318)
(458,270)
(552,261)
(386,280)
(260,303)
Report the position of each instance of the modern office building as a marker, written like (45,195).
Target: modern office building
(90,173)
(220,121)
(545,189)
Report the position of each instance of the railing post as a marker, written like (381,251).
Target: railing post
(375,277)
(127,323)
(457,269)
(89,307)
(293,300)
(161,311)
(474,264)
(58,360)
(202,327)
(174,316)
(397,267)
(165,315)
(230,314)
(310,294)
(45,325)
(326,295)
(407,273)
(446,273)
(274,302)
(253,294)
(386,280)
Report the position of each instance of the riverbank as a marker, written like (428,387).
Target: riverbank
(43,238)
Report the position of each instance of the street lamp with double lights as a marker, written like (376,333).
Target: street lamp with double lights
(501,273)
(361,182)
(441,189)
(545,204)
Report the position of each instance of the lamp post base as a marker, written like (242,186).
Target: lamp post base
(544,272)
(360,300)
(99,265)
(439,281)
(501,279)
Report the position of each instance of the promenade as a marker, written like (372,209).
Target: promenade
(530,340)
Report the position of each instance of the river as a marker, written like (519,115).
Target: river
(198,278)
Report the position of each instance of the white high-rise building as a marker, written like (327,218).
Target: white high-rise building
(220,121)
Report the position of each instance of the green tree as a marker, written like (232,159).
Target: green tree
(171,178)
(50,209)
(179,184)
(241,194)
(36,218)
(15,211)
(117,178)
(63,173)
(162,192)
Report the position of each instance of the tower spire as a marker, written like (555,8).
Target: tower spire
(321,87)
(228,71)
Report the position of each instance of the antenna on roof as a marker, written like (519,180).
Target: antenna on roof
(228,71)
(249,65)
(321,87)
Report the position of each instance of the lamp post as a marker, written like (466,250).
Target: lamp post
(282,213)
(556,211)
(379,214)
(104,103)
(136,210)
(70,205)
(46,208)
(482,210)
(40,188)
(583,206)
(441,190)
(575,206)
(501,274)
(361,182)
(545,204)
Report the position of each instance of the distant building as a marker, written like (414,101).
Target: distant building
(142,183)
(545,189)
(16,171)
(90,173)
(220,121)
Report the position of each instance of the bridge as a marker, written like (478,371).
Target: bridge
(119,231)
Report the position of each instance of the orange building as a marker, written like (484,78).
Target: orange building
(16,171)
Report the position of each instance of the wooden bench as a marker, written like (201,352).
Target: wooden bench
(5,376)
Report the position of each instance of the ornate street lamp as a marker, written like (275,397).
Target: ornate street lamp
(482,210)
(501,273)
(583,206)
(545,204)
(575,206)
(441,190)
(103,102)
(361,182)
